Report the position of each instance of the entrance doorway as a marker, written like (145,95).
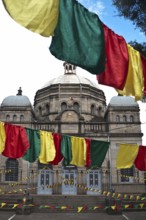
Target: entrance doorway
(94,182)
(69,182)
(45,182)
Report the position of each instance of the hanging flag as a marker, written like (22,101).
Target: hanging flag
(16,143)
(57,142)
(80,208)
(78,146)
(2,137)
(116,60)
(66,149)
(3,204)
(38,16)
(88,152)
(47,147)
(143,59)
(34,139)
(126,155)
(79,37)
(134,85)
(140,161)
(98,152)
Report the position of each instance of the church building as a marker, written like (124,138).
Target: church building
(73,105)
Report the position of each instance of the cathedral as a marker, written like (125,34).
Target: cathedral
(74,105)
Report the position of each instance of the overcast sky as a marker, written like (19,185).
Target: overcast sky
(25,59)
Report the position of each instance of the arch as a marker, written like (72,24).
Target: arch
(76,106)
(63,106)
(47,108)
(124,118)
(7,117)
(14,117)
(40,110)
(21,117)
(131,118)
(100,110)
(69,121)
(117,118)
(92,109)
(11,170)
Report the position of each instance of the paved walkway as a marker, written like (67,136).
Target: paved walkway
(73,216)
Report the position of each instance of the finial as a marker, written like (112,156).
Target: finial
(19,91)
(69,68)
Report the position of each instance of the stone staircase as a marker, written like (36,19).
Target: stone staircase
(53,203)
(66,204)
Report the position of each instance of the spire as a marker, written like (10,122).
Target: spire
(69,68)
(19,91)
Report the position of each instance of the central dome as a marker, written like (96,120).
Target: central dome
(70,77)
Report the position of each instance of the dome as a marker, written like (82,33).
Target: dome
(18,100)
(123,101)
(70,77)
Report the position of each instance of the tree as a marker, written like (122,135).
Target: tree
(140,47)
(135,10)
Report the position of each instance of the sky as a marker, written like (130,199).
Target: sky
(25,60)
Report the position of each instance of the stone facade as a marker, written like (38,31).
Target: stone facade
(73,105)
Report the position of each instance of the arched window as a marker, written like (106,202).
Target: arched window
(76,106)
(14,117)
(40,110)
(7,117)
(100,110)
(11,170)
(47,108)
(63,106)
(124,118)
(131,118)
(21,117)
(117,118)
(92,109)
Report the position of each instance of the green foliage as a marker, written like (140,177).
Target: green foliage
(140,47)
(134,10)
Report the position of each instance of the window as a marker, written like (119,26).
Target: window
(47,108)
(117,118)
(127,175)
(63,106)
(92,109)
(14,117)
(21,117)
(131,118)
(100,110)
(124,118)
(7,117)
(76,106)
(12,166)
(40,110)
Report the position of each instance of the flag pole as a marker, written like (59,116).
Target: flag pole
(109,166)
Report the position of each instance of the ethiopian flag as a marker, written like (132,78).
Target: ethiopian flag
(78,35)
(39,16)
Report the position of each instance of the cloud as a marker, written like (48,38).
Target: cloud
(95,6)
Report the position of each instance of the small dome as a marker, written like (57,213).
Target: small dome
(16,101)
(122,101)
